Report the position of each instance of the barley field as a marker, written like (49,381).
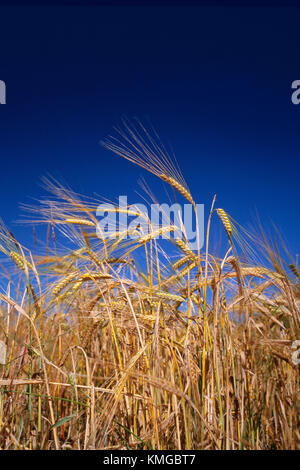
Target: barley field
(138,343)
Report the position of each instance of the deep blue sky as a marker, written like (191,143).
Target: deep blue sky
(215,82)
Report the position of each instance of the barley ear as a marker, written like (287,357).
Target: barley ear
(225,221)
(180,188)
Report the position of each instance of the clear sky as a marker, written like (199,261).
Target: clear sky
(214,81)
